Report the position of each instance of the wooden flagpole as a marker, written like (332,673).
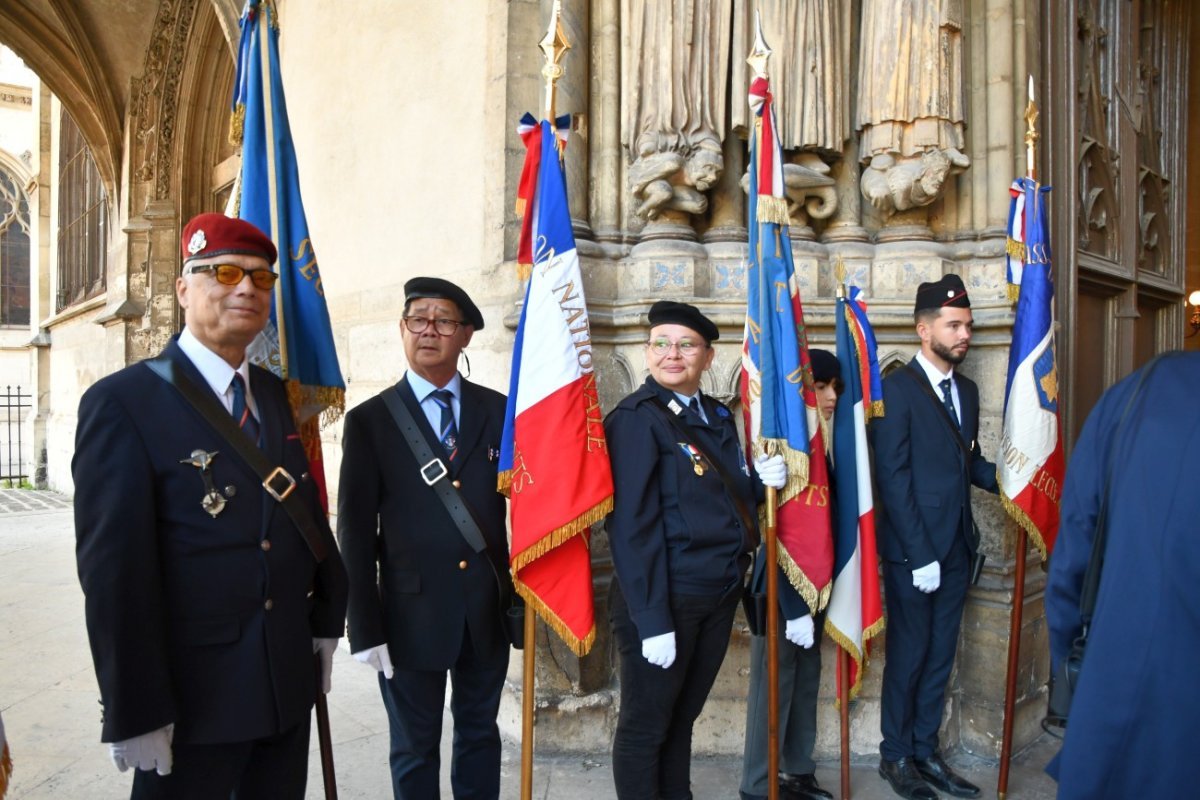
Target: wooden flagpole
(843,658)
(554,46)
(1014,630)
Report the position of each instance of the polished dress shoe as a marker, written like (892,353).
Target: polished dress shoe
(938,772)
(905,781)
(801,787)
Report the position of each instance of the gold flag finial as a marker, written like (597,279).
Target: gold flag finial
(759,55)
(839,275)
(1031,134)
(554,45)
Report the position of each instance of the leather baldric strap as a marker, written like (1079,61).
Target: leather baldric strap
(731,490)
(276,481)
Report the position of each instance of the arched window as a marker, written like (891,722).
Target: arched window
(82,219)
(14,251)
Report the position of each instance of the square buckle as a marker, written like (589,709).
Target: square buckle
(437,464)
(290,484)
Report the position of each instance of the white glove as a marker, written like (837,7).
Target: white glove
(660,650)
(928,578)
(325,647)
(378,658)
(772,471)
(800,631)
(150,751)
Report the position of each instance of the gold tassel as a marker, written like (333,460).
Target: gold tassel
(504,483)
(1014,292)
(874,409)
(772,209)
(524,271)
(237,125)
(1014,248)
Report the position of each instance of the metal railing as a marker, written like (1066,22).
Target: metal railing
(13,403)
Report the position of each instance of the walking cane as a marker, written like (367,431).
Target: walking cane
(323,737)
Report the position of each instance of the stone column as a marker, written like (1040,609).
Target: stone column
(604,128)
(573,99)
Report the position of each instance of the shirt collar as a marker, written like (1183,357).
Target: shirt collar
(935,375)
(215,370)
(423,388)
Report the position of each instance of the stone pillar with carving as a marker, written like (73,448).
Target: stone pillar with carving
(911,109)
(674,61)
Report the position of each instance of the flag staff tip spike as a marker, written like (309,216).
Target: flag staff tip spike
(761,52)
(554,46)
(1031,133)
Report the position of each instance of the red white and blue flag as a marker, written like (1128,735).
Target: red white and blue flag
(553,454)
(1030,467)
(777,394)
(1015,244)
(855,612)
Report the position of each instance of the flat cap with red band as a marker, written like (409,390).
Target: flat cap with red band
(949,292)
(209,235)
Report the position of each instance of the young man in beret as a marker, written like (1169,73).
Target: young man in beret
(423,600)
(205,599)
(926,460)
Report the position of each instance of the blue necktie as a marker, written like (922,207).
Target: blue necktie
(948,401)
(241,412)
(694,405)
(447,430)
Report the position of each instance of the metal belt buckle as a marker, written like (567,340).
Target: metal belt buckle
(438,465)
(279,472)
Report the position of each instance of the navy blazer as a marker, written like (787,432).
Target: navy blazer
(205,622)
(414,581)
(672,531)
(923,476)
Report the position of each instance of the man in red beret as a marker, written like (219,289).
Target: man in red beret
(209,571)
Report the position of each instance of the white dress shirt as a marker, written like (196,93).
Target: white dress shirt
(217,372)
(423,390)
(936,377)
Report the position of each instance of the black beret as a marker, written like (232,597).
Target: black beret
(949,292)
(668,312)
(417,288)
(825,366)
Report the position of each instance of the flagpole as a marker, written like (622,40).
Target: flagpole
(843,658)
(1014,630)
(554,46)
(267,10)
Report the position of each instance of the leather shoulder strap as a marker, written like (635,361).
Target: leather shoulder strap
(276,480)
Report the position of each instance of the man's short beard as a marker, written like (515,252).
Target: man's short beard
(949,355)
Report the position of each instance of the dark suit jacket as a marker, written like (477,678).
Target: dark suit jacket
(923,476)
(414,581)
(177,600)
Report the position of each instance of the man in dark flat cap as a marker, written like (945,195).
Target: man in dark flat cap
(926,460)
(208,588)
(426,591)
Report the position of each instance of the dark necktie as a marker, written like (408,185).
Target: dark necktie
(241,411)
(447,430)
(948,401)
(694,405)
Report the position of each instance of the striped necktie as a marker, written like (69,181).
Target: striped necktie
(447,430)
(241,411)
(948,401)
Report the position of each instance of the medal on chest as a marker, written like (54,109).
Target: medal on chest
(213,501)
(694,456)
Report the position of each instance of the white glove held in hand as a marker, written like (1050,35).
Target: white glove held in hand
(800,631)
(378,658)
(150,751)
(660,650)
(325,647)
(772,471)
(928,578)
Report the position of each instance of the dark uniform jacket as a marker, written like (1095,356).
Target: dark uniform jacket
(414,581)
(924,478)
(205,622)
(672,531)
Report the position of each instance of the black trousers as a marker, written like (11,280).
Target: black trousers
(922,639)
(275,767)
(414,700)
(652,748)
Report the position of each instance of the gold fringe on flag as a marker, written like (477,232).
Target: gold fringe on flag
(1014,292)
(1021,518)
(873,409)
(579,647)
(6,770)
(816,598)
(1015,249)
(237,125)
(561,534)
(524,271)
(504,482)
(772,209)
(305,399)
(859,656)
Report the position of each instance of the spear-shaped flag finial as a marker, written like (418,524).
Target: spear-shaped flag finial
(554,45)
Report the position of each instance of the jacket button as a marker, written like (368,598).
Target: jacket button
(269,604)
(462,565)
(265,544)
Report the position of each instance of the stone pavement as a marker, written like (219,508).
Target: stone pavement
(49,700)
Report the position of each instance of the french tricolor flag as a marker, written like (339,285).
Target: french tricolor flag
(553,455)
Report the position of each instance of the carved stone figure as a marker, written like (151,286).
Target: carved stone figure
(675,58)
(910,103)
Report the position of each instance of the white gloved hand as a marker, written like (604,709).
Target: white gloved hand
(660,650)
(928,578)
(378,658)
(325,647)
(800,631)
(772,471)
(150,751)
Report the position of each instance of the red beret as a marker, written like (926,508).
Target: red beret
(211,234)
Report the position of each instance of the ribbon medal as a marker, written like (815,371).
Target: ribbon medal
(213,501)
(694,456)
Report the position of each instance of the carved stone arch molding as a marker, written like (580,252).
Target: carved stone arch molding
(891,361)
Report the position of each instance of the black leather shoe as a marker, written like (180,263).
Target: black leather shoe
(938,772)
(905,780)
(801,787)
